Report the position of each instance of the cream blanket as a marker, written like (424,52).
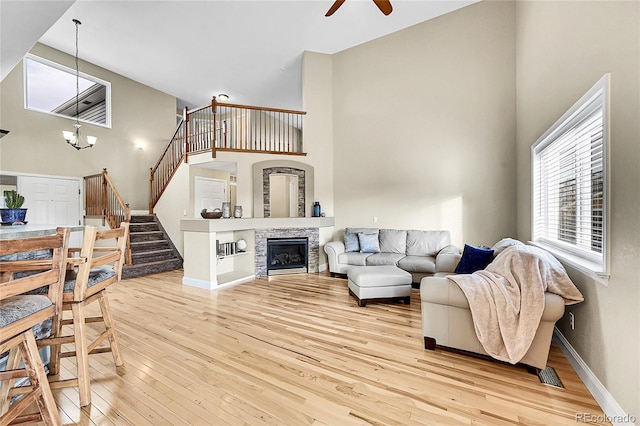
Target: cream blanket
(507,298)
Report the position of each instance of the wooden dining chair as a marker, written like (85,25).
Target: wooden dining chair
(95,268)
(19,313)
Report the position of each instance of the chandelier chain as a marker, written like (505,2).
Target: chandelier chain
(77,76)
(73,138)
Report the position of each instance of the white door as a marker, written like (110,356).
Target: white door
(51,201)
(209,194)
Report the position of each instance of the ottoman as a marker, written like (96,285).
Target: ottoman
(379,282)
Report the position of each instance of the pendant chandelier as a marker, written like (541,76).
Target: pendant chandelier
(74,138)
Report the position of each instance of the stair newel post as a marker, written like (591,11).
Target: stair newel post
(103,201)
(214,108)
(150,190)
(127,218)
(185,118)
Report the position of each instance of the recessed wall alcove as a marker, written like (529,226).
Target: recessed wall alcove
(262,173)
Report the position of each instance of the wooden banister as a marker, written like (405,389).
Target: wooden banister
(102,199)
(226,127)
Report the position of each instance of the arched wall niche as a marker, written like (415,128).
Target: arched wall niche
(261,188)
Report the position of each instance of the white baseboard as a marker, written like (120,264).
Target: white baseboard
(214,285)
(614,413)
(323,267)
(194,282)
(236,282)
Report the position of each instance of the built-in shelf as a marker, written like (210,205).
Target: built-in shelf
(204,268)
(234,255)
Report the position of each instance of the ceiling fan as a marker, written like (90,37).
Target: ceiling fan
(384,6)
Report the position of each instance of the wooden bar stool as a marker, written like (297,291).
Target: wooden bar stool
(19,312)
(97,268)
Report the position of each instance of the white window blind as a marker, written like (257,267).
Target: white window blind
(569,181)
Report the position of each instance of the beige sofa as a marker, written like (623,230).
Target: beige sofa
(421,253)
(447,321)
(446,315)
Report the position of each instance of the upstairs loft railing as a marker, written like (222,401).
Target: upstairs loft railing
(102,200)
(226,127)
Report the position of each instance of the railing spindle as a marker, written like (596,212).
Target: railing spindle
(225,127)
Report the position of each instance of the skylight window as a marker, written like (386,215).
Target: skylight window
(51,88)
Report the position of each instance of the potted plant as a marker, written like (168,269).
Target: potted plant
(13,211)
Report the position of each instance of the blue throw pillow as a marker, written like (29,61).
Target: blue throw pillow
(351,242)
(368,243)
(473,259)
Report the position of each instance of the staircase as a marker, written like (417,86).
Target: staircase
(151,249)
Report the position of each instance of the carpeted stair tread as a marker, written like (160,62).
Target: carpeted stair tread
(150,245)
(144,227)
(142,218)
(146,236)
(132,271)
(151,256)
(151,249)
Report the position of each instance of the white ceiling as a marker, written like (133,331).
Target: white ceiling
(193,50)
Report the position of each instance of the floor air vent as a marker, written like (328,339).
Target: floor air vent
(548,376)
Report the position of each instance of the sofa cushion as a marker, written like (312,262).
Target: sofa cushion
(393,241)
(426,243)
(384,259)
(351,242)
(15,308)
(354,258)
(364,230)
(473,259)
(423,264)
(368,243)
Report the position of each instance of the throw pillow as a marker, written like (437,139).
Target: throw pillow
(351,242)
(473,259)
(503,244)
(368,243)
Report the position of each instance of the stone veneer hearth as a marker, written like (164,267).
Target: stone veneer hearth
(262,235)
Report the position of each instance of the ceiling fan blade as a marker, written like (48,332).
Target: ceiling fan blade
(384,6)
(334,7)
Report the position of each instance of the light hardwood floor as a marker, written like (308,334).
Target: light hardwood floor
(297,350)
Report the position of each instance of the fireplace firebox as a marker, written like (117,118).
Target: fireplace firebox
(287,256)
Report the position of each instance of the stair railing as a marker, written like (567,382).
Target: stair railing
(160,175)
(226,127)
(103,200)
(244,128)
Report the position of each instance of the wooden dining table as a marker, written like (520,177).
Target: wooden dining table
(13,232)
(16,232)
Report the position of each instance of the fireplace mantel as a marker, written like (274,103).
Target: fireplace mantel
(221,225)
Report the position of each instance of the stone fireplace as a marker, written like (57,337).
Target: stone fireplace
(263,236)
(287,256)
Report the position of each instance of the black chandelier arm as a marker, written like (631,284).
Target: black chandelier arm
(78,147)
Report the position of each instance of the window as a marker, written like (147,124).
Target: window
(569,183)
(51,88)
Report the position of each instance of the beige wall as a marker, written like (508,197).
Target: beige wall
(563,48)
(424,127)
(140,114)
(317,101)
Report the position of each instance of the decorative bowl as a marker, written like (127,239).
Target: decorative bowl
(216,214)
